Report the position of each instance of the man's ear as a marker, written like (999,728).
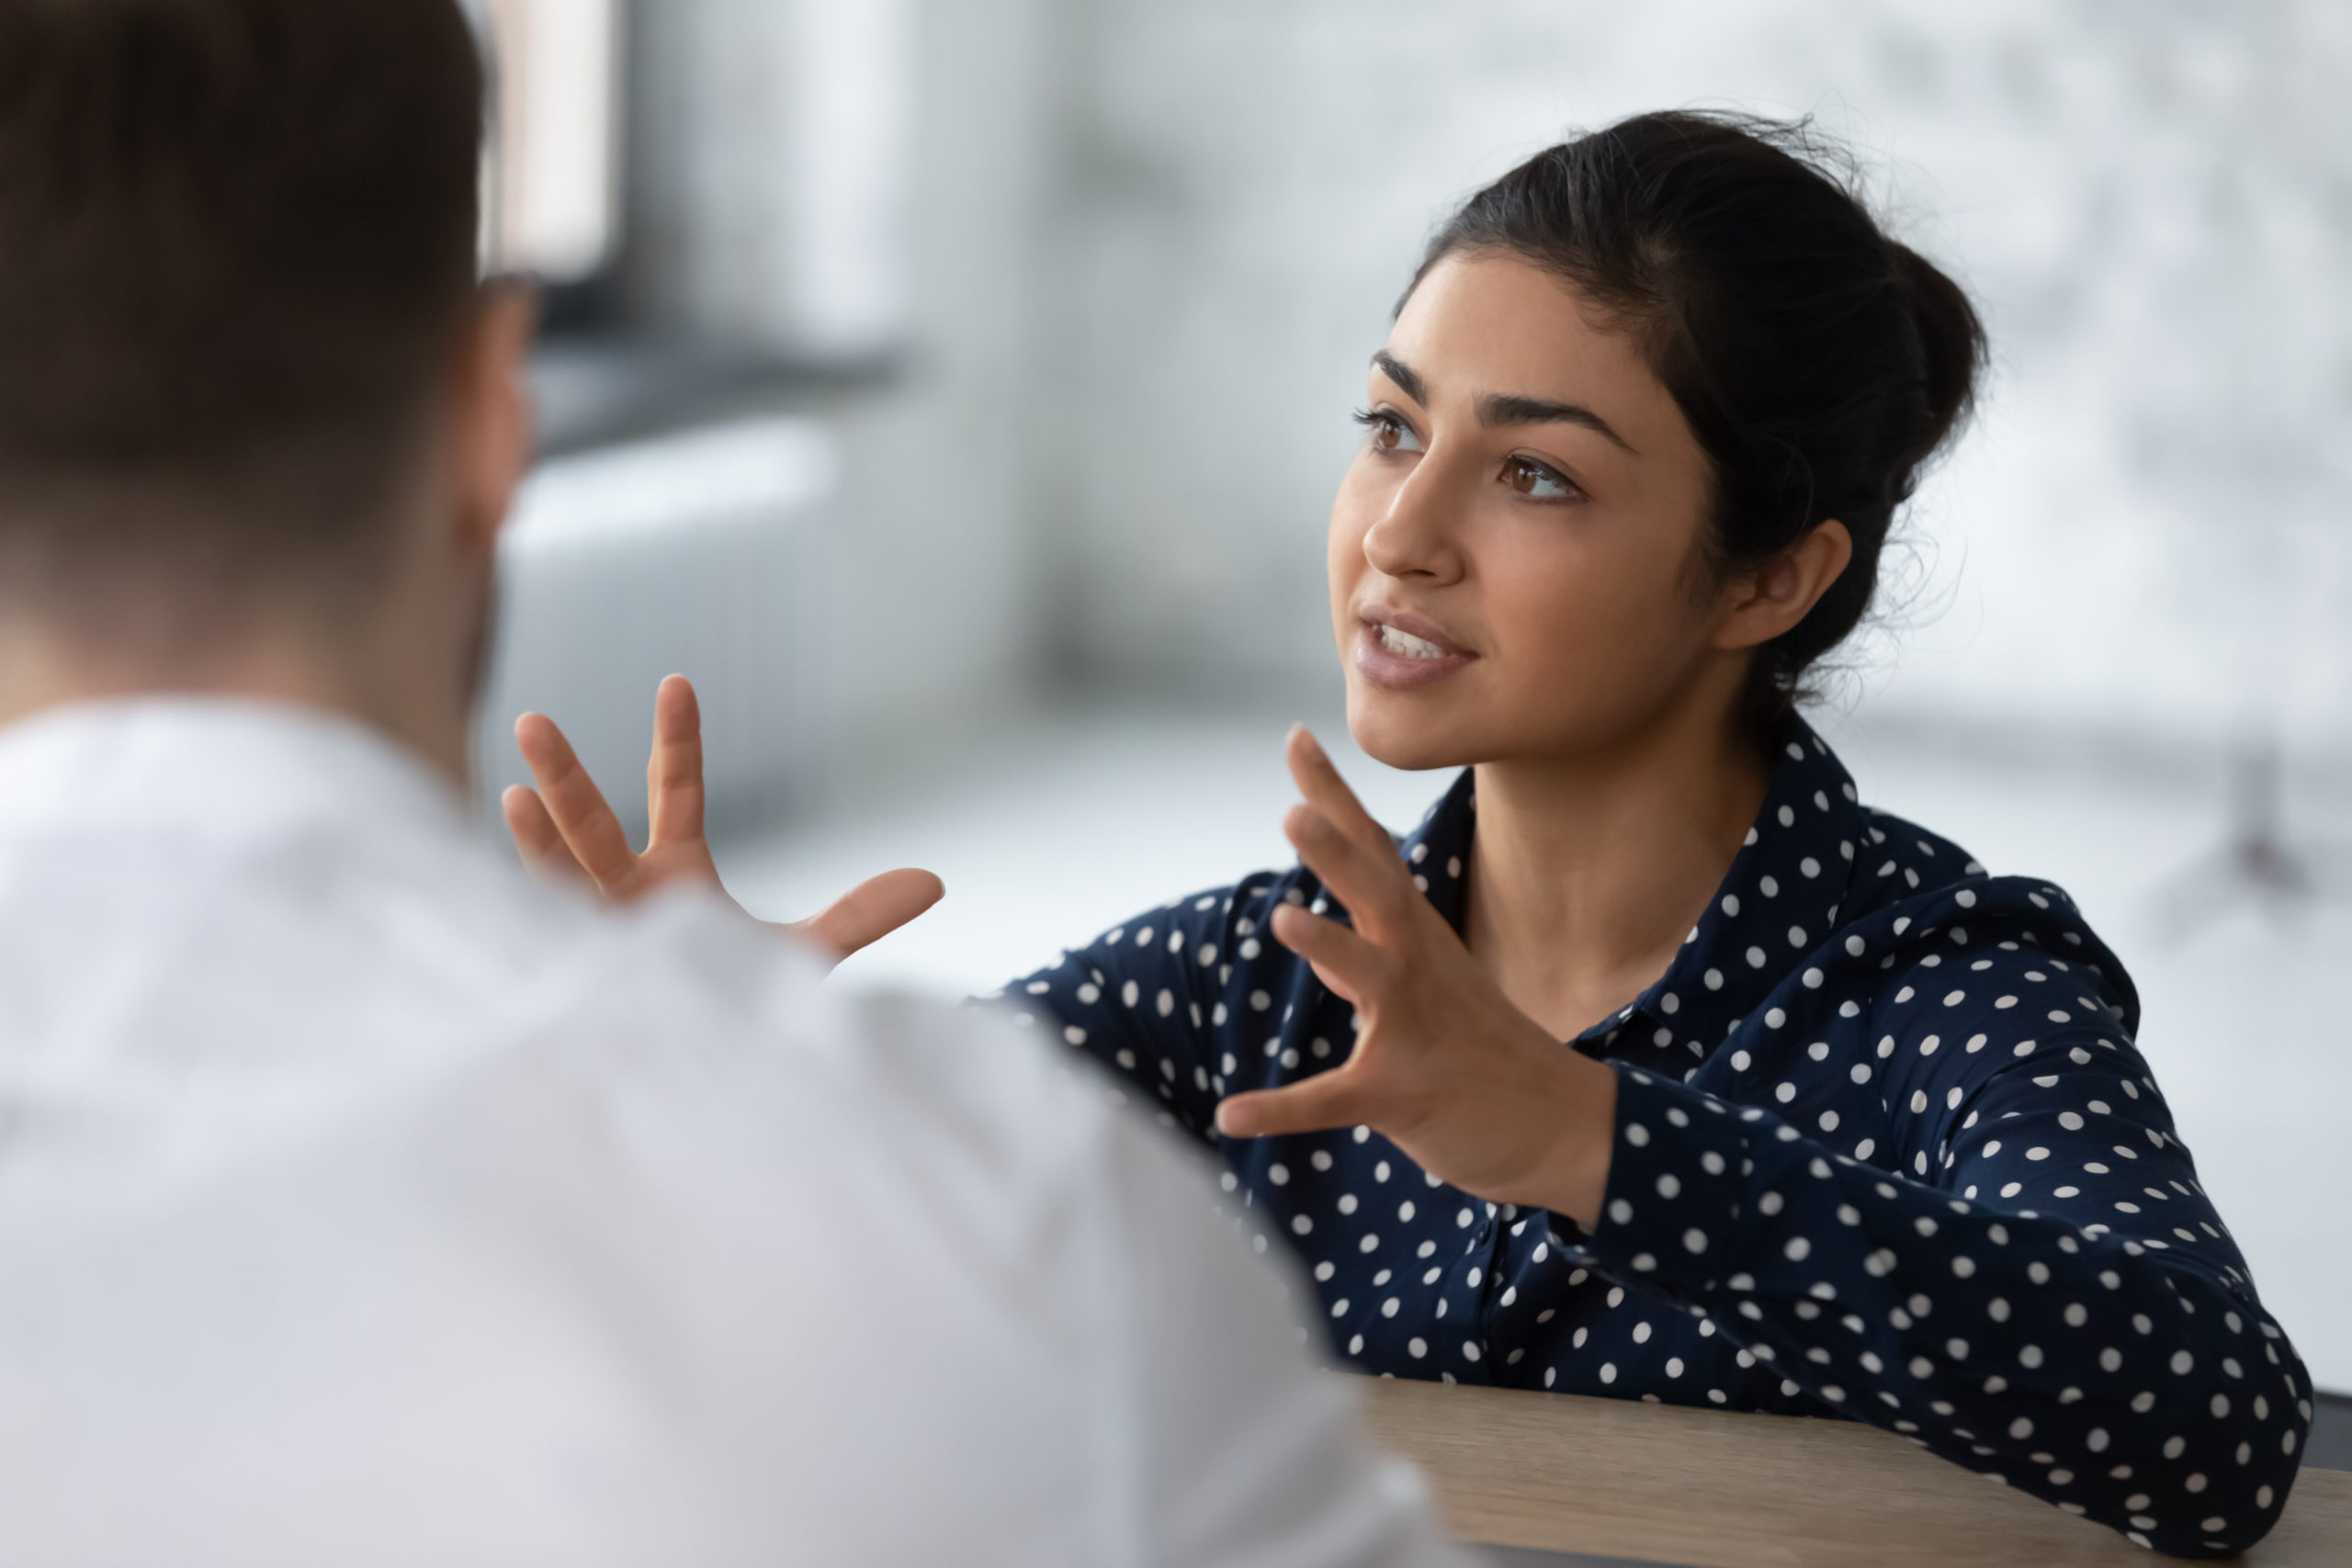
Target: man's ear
(1759,606)
(493,433)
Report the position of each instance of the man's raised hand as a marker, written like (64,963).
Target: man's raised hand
(567,832)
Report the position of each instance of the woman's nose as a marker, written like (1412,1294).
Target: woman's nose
(1415,536)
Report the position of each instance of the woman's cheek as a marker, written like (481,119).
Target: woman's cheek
(1577,638)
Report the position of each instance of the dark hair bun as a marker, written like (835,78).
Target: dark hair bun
(1819,363)
(1951,342)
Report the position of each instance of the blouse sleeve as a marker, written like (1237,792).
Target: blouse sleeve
(2045,1296)
(1144,998)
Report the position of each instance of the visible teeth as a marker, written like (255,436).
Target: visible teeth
(1408,645)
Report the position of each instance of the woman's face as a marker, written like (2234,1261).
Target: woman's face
(1515,552)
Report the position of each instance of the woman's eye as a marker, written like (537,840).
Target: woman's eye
(1530,477)
(1389,433)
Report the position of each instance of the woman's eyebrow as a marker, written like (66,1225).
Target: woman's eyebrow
(1404,375)
(1495,409)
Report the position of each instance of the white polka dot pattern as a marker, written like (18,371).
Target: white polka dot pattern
(1884,1150)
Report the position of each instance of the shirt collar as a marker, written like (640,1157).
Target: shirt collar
(215,766)
(1779,900)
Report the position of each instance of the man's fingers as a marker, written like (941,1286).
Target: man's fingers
(1373,884)
(872,910)
(587,823)
(1335,1098)
(544,854)
(1344,961)
(1318,781)
(673,786)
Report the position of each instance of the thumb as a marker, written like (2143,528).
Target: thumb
(871,910)
(1335,1099)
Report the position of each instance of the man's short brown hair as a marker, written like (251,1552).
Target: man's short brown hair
(234,238)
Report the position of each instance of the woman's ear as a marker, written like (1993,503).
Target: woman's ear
(1760,605)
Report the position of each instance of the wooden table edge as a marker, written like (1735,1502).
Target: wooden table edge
(1724,1489)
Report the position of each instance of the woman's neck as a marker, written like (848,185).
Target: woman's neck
(1587,872)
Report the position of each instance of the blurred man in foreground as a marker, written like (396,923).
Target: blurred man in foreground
(359,1204)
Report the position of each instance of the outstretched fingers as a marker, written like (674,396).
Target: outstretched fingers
(1319,783)
(544,854)
(1350,966)
(1371,883)
(574,803)
(674,781)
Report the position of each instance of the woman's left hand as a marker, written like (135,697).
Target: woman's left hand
(1444,1066)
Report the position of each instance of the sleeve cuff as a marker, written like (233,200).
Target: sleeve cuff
(1669,1219)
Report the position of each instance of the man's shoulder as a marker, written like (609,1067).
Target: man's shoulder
(687,1012)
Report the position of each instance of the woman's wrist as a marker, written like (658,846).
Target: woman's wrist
(1575,1179)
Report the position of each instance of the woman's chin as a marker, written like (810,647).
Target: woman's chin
(1398,731)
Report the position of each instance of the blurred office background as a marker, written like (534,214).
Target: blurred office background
(955,389)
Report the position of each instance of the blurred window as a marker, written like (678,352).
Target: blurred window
(852,110)
(553,189)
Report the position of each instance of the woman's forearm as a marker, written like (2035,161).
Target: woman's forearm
(1142,999)
(2115,1379)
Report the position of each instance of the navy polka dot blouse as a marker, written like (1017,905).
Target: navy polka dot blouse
(1884,1150)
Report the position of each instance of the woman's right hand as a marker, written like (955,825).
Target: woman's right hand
(568,832)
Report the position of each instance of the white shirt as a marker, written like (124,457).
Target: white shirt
(360,1202)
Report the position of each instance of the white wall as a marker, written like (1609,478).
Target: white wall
(1137,252)
(836,180)
(2153,202)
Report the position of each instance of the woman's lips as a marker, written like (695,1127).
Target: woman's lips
(1399,660)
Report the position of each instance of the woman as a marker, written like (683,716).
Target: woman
(1859,1129)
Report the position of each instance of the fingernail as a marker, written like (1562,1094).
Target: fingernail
(1230,1122)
